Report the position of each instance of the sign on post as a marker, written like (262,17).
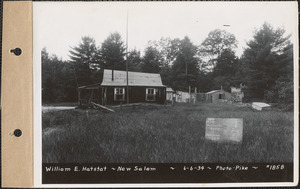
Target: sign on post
(224,129)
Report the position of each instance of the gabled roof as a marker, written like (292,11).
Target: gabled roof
(169,89)
(211,92)
(134,79)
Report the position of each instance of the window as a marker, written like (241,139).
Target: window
(150,94)
(221,96)
(119,94)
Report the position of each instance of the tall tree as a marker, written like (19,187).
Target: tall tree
(216,42)
(55,78)
(85,59)
(282,91)
(113,52)
(262,60)
(47,81)
(185,68)
(168,49)
(134,60)
(225,70)
(152,60)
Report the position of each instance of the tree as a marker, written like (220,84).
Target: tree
(264,60)
(47,81)
(282,92)
(85,59)
(55,79)
(152,60)
(134,61)
(70,83)
(225,70)
(168,49)
(216,42)
(185,67)
(113,52)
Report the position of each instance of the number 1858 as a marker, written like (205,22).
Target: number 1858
(275,167)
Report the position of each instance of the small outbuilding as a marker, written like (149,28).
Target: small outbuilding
(184,97)
(142,87)
(216,96)
(169,94)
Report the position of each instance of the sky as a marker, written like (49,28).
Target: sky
(58,26)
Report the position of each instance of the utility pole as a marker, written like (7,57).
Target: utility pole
(127,99)
(186,73)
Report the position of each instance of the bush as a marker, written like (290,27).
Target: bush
(281,93)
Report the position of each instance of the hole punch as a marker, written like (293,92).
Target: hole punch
(17,132)
(16,51)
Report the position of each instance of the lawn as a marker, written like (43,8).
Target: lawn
(164,134)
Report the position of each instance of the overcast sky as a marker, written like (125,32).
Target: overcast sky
(59,25)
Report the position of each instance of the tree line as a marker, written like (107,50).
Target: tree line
(264,70)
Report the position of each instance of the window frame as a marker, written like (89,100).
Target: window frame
(115,93)
(222,95)
(149,94)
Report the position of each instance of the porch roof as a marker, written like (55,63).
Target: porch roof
(92,86)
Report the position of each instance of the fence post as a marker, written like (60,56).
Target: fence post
(195,99)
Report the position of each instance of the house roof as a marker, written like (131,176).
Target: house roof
(169,89)
(211,92)
(134,79)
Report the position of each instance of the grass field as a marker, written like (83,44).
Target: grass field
(166,134)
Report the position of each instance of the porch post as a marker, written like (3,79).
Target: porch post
(102,96)
(92,95)
(79,101)
(105,97)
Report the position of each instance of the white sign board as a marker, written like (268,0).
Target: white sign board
(224,129)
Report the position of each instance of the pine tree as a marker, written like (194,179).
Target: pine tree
(134,61)
(185,68)
(85,58)
(54,78)
(262,68)
(225,70)
(113,52)
(152,61)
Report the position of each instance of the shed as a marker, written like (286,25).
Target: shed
(169,94)
(216,96)
(142,87)
(182,96)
